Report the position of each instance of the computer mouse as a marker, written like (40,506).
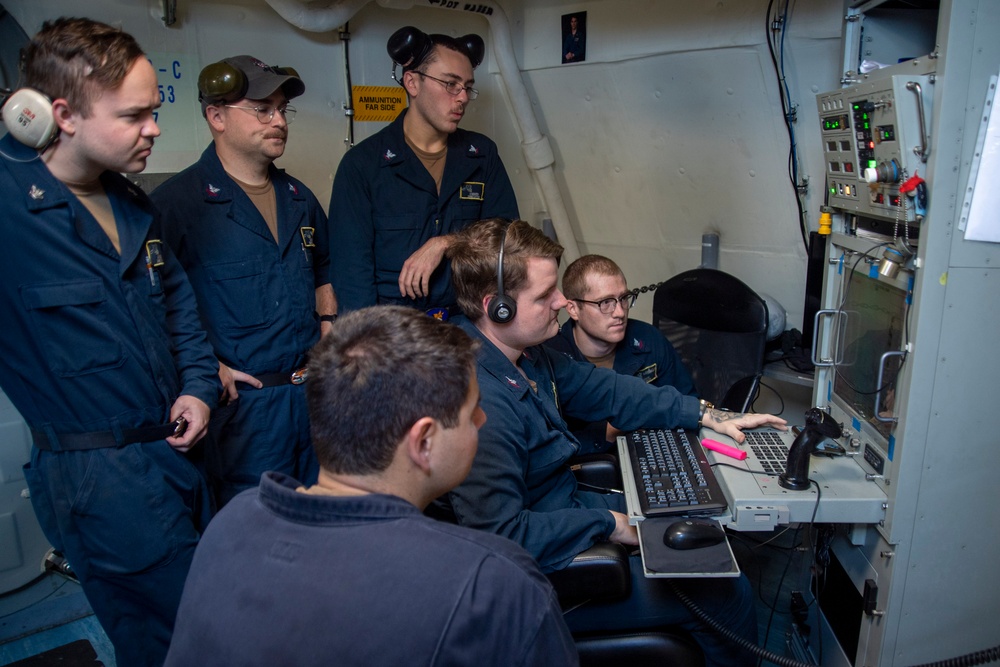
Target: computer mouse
(693,534)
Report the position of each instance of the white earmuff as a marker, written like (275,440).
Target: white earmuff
(29,118)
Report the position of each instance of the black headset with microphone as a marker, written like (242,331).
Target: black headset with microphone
(502,308)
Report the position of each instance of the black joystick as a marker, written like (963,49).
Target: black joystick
(819,427)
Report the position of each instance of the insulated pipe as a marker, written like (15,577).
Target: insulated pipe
(313,19)
(534,145)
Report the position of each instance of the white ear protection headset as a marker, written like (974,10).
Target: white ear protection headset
(28,116)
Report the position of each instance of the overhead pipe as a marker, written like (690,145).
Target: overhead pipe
(535,146)
(317,19)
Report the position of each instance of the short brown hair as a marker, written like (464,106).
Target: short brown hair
(443,42)
(76,58)
(474,254)
(377,372)
(574,281)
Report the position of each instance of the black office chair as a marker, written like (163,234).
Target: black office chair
(602,573)
(718,325)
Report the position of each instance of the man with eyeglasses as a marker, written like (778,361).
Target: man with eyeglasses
(400,195)
(520,485)
(254,242)
(600,331)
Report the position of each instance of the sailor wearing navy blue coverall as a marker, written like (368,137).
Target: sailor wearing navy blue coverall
(101,348)
(643,353)
(400,194)
(259,290)
(520,485)
(599,331)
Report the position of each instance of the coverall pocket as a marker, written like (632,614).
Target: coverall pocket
(239,298)
(42,504)
(396,238)
(468,212)
(122,502)
(72,323)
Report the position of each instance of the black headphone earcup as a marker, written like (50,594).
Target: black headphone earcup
(408,46)
(221,81)
(475,47)
(502,309)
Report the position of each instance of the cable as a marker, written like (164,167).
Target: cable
(787,112)
(774,391)
(29,584)
(345,37)
(967,660)
(37,156)
(22,587)
(777,592)
(817,584)
(728,634)
(976,658)
(599,489)
(740,641)
(743,540)
(648,288)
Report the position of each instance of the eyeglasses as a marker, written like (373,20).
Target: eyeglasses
(607,306)
(265,113)
(453,87)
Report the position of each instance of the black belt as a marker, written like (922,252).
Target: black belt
(278,379)
(66,442)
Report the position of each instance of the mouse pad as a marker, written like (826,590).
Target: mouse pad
(660,560)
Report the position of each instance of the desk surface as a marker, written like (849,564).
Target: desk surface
(760,503)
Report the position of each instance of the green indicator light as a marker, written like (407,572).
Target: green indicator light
(871,163)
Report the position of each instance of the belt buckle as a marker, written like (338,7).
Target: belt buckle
(299,376)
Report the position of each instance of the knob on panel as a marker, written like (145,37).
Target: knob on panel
(885,172)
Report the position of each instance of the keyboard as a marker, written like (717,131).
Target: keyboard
(770,449)
(672,475)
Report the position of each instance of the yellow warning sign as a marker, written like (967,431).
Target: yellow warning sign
(378,103)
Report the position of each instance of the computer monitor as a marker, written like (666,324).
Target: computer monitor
(871,326)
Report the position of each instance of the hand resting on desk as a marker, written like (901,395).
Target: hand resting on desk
(733,423)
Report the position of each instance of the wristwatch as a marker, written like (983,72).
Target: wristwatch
(703,407)
(328,318)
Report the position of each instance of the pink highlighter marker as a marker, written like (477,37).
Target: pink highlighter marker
(717,446)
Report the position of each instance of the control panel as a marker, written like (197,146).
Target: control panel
(875,142)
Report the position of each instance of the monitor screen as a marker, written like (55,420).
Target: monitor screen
(872,321)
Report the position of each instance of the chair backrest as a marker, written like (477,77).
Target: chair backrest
(718,325)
